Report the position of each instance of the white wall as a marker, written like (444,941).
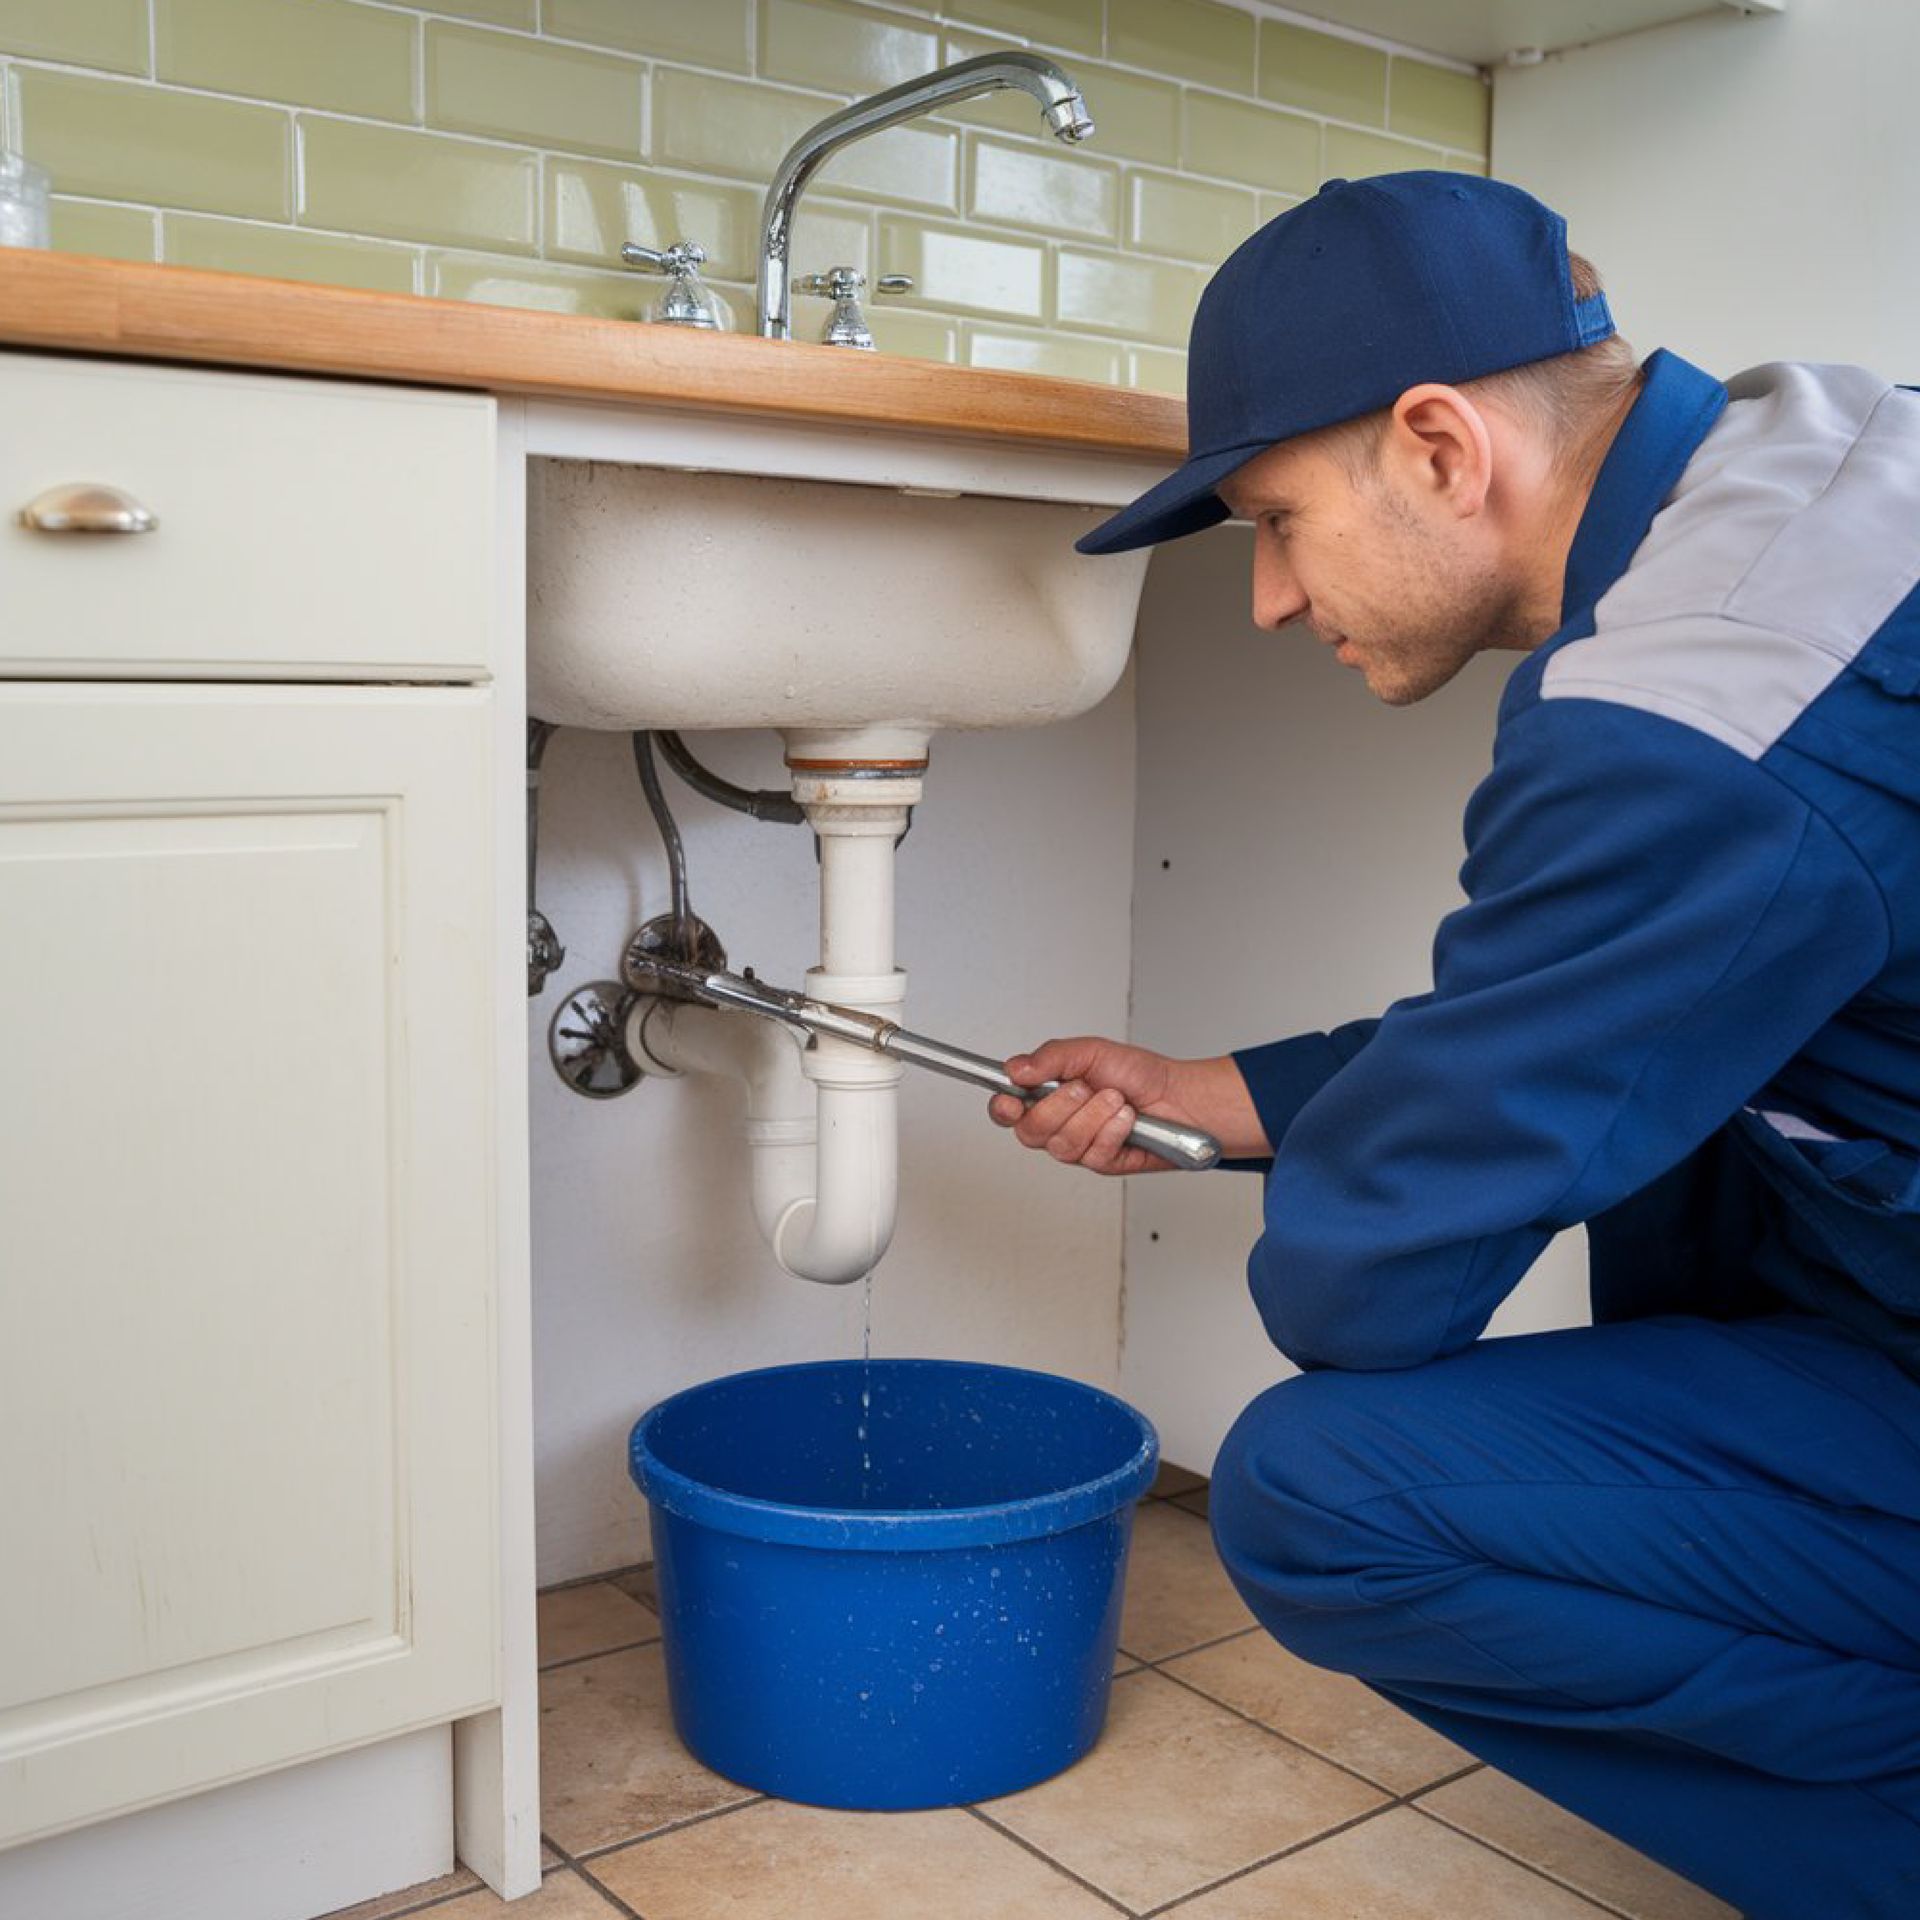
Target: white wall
(1298,843)
(1746,186)
(648,1272)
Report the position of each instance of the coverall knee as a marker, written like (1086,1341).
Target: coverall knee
(1663,1571)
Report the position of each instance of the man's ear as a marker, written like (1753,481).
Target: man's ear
(1438,441)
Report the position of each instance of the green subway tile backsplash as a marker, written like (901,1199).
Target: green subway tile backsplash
(1185,40)
(1319,74)
(1260,146)
(1155,370)
(286,253)
(920,336)
(119,140)
(1075,25)
(1142,299)
(111,34)
(109,233)
(1190,219)
(517,88)
(847,49)
(1433,103)
(966,270)
(416,186)
(527,283)
(1030,187)
(710,33)
(502,151)
(498,13)
(593,210)
(309,53)
(1063,355)
(1352,156)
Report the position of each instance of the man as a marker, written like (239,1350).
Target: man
(1664,1569)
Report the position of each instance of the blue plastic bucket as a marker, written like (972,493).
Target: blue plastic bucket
(920,1617)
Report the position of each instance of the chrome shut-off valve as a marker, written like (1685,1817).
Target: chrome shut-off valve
(847,325)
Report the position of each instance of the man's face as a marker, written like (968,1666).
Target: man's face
(1382,566)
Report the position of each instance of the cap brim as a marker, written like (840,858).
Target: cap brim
(1184,502)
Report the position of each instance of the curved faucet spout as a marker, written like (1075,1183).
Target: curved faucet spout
(1061,105)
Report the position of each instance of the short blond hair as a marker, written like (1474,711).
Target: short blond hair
(1566,396)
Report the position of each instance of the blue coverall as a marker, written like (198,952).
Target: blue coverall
(1665,1569)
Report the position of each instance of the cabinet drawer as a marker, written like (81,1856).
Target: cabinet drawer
(305,529)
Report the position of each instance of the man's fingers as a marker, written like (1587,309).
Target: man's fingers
(1053,1060)
(1077,1140)
(1109,1152)
(1044,1118)
(1004,1110)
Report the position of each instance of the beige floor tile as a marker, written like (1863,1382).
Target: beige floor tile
(1396,1867)
(1195,1502)
(1177,1793)
(563,1895)
(611,1766)
(1124,1663)
(1171,1480)
(1178,1594)
(1329,1712)
(1521,1822)
(404,1898)
(779,1861)
(548,1858)
(592,1619)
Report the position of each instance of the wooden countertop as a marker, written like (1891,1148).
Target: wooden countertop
(78,304)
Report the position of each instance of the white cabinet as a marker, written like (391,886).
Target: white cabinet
(249,988)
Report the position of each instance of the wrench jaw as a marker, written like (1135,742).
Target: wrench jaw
(715,987)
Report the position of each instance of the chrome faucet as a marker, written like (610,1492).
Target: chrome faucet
(1060,103)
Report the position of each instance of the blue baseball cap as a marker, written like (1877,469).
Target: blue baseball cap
(1337,307)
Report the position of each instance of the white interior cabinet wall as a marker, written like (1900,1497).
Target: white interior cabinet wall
(1297,844)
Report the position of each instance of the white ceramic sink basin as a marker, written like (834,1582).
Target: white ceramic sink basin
(659,597)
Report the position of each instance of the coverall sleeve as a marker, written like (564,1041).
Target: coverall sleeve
(1654,926)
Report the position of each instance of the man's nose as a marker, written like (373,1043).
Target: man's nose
(1277,594)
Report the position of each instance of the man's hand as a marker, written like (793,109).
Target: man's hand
(1105,1084)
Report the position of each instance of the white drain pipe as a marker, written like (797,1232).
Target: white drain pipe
(823,1118)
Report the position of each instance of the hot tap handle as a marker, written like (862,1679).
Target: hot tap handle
(678,258)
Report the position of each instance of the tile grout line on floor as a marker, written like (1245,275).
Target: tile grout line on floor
(1598,1901)
(1300,1746)
(672,1826)
(1047,1859)
(1254,1866)
(600,1653)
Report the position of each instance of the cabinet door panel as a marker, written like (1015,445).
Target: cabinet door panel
(245,1262)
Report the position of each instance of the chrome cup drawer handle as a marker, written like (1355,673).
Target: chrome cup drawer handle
(86,508)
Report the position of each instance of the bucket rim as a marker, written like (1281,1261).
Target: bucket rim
(894,1530)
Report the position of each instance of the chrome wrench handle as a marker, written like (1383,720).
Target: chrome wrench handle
(1185,1147)
(1181,1146)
